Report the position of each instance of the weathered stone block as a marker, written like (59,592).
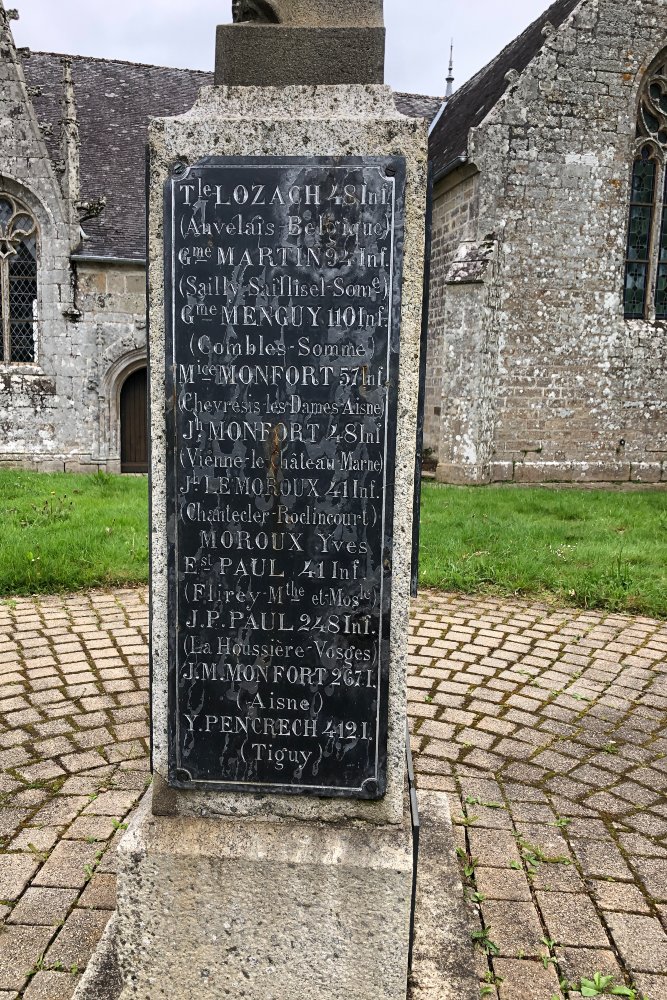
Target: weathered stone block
(646,472)
(115,280)
(270,55)
(572,472)
(501,472)
(51,465)
(263,909)
(542,472)
(462,475)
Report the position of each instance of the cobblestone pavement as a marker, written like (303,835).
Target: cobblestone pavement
(546,728)
(73,763)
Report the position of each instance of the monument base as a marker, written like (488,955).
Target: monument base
(263,910)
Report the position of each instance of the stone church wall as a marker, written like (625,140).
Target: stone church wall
(455,206)
(60,412)
(552,382)
(63,414)
(459,407)
(112,302)
(38,402)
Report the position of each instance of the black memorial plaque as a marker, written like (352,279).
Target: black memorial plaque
(282,300)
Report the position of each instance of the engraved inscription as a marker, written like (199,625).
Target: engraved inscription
(283,307)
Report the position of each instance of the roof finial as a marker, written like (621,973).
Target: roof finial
(450,78)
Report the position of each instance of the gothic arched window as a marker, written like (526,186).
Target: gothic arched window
(18,281)
(646,263)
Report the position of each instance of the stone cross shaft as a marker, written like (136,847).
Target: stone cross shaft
(311,13)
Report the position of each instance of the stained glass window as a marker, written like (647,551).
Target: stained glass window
(642,205)
(18,281)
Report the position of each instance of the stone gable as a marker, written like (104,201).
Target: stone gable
(539,375)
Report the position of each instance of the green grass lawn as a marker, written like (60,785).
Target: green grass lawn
(591,548)
(586,547)
(69,532)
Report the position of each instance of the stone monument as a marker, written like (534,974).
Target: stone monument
(273,858)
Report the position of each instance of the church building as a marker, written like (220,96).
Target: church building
(548,320)
(548,309)
(73,358)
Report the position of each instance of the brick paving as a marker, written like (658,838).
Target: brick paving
(548,730)
(546,727)
(73,763)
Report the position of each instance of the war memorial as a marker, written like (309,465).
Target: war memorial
(275,855)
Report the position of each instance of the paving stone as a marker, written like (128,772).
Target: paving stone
(41,838)
(494,848)
(91,827)
(572,919)
(503,883)
(578,962)
(558,878)
(61,810)
(66,867)
(100,893)
(525,980)
(52,986)
(640,940)
(648,823)
(654,987)
(515,929)
(20,948)
(524,793)
(31,796)
(588,829)
(546,838)
(83,761)
(16,870)
(530,812)
(635,845)
(76,941)
(43,906)
(603,859)
(654,876)
(619,896)
(11,820)
(115,804)
(490,819)
(44,771)
(604,802)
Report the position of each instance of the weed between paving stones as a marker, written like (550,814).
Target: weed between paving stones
(533,857)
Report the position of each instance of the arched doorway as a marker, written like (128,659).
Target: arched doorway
(134,422)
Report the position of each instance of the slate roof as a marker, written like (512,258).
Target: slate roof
(474,100)
(115,101)
(418,106)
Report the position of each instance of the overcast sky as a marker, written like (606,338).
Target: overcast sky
(174,33)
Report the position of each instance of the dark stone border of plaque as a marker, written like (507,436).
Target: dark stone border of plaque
(375,788)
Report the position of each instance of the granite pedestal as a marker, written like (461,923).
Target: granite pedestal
(263,910)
